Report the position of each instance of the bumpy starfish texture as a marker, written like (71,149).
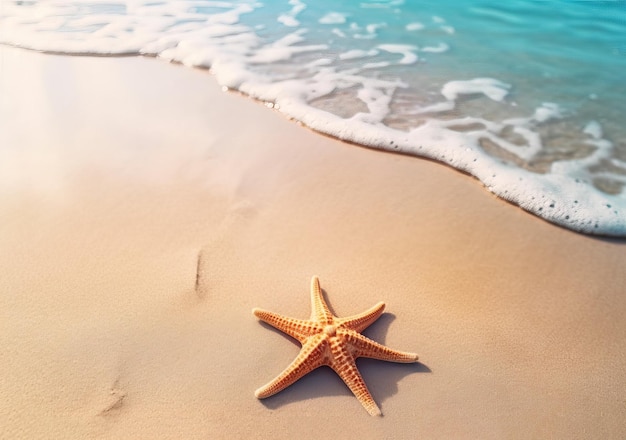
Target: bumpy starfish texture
(332,341)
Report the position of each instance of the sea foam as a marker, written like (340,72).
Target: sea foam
(368,74)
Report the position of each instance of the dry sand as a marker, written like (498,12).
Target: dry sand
(121,180)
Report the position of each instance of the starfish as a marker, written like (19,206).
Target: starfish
(331,341)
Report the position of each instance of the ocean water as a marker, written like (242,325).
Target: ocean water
(528,96)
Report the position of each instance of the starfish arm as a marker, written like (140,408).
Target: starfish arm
(345,366)
(299,329)
(360,322)
(312,355)
(365,347)
(319,309)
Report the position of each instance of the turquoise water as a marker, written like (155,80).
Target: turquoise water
(528,96)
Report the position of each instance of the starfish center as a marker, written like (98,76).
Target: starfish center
(330,330)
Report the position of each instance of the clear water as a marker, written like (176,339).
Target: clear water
(529,96)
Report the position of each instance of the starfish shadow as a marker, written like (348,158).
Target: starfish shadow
(381,377)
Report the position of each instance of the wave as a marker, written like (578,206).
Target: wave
(367,73)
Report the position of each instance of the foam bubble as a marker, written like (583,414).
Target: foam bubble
(333,18)
(415,26)
(376,65)
(406,50)
(289,19)
(593,129)
(283,49)
(448,29)
(438,107)
(547,111)
(490,87)
(230,17)
(371,31)
(357,53)
(381,5)
(439,48)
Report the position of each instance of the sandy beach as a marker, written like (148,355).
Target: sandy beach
(145,212)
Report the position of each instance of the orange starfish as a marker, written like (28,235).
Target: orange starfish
(332,341)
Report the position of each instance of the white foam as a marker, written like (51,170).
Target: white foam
(593,129)
(289,18)
(333,18)
(377,101)
(376,65)
(490,87)
(415,26)
(372,28)
(230,17)
(283,49)
(547,111)
(435,108)
(406,50)
(448,29)
(371,31)
(357,53)
(381,5)
(439,48)
(555,196)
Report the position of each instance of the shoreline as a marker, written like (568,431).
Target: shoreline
(117,174)
(596,213)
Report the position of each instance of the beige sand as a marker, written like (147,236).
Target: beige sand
(116,175)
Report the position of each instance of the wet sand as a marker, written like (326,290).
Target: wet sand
(145,213)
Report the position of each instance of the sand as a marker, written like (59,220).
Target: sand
(144,213)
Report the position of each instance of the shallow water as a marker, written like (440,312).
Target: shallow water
(528,96)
